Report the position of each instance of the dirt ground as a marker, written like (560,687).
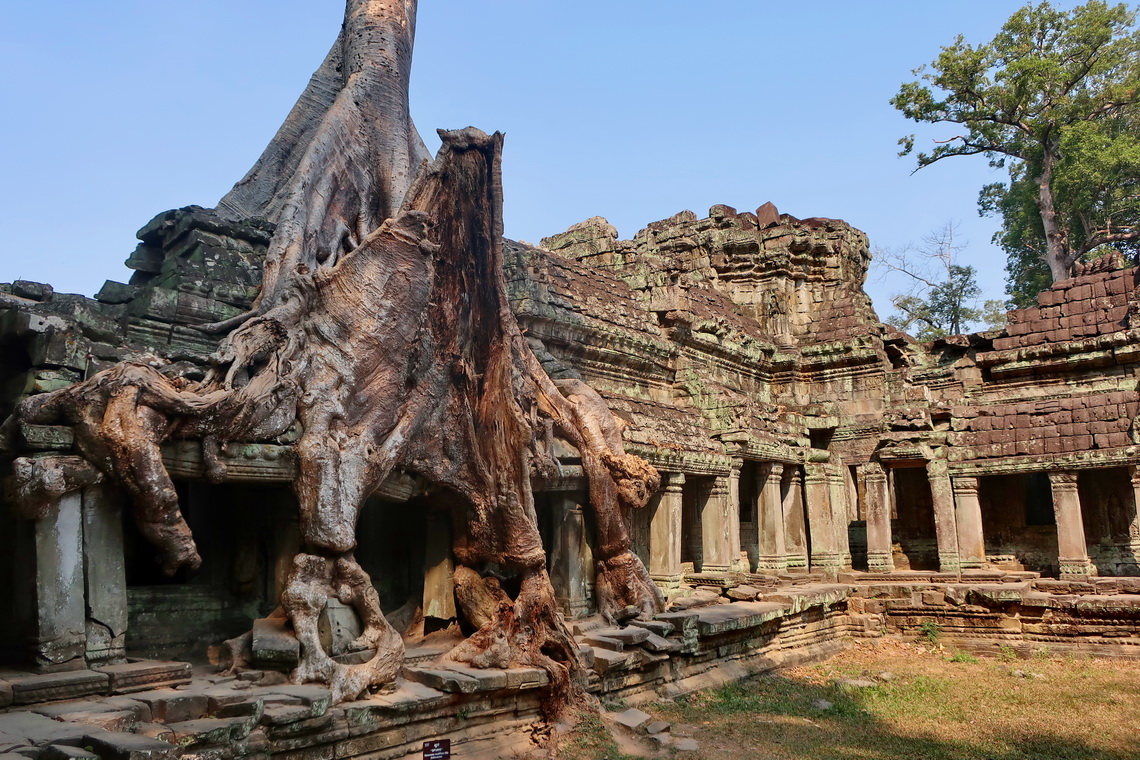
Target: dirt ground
(902,700)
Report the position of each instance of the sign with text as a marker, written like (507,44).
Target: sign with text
(439,749)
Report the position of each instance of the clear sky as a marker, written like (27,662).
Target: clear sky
(628,109)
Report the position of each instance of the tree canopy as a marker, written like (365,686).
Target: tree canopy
(1054,98)
(943,297)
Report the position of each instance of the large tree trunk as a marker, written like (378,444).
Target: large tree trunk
(383,327)
(1057,254)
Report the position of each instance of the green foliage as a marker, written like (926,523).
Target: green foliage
(1007,653)
(1053,97)
(943,296)
(930,630)
(963,656)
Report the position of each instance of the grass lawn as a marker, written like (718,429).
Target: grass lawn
(938,704)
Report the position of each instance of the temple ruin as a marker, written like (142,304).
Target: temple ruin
(731,465)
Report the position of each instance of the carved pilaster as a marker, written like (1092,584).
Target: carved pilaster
(880,558)
(773,553)
(968,515)
(1072,550)
(716,526)
(945,524)
(795,526)
(665,533)
(825,553)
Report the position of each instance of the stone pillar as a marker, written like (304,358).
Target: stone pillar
(1072,551)
(795,529)
(945,526)
(665,533)
(773,555)
(880,555)
(840,512)
(105,575)
(1133,546)
(51,602)
(733,515)
(968,515)
(571,559)
(716,526)
(825,553)
(439,574)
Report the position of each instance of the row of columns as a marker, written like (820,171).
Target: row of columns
(785,494)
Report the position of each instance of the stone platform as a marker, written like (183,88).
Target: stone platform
(116,713)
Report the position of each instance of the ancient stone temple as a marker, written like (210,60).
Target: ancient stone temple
(728,464)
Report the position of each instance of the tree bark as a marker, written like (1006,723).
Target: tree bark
(1057,254)
(384,328)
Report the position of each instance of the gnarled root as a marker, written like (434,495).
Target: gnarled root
(622,581)
(525,632)
(312,581)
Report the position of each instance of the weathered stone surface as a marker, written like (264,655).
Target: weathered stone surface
(141,675)
(28,690)
(632,719)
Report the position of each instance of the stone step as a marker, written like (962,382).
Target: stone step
(50,687)
(138,675)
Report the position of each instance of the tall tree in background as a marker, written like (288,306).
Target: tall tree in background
(943,297)
(1053,97)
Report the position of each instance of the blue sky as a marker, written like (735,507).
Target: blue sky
(628,109)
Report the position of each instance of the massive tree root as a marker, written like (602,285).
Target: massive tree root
(383,327)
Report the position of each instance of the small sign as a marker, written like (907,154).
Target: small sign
(439,749)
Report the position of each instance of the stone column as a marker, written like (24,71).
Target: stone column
(840,512)
(105,575)
(880,554)
(571,559)
(825,553)
(665,534)
(716,525)
(1133,546)
(51,601)
(968,515)
(734,517)
(945,526)
(795,529)
(773,555)
(439,574)
(1072,551)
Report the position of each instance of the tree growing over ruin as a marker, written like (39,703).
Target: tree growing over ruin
(1049,97)
(383,329)
(942,297)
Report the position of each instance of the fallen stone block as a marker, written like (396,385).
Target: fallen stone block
(686,745)
(661,644)
(609,661)
(632,718)
(316,698)
(120,746)
(204,731)
(280,715)
(49,687)
(489,679)
(604,642)
(170,706)
(141,675)
(631,636)
(526,678)
(445,680)
(656,727)
(660,627)
(274,643)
